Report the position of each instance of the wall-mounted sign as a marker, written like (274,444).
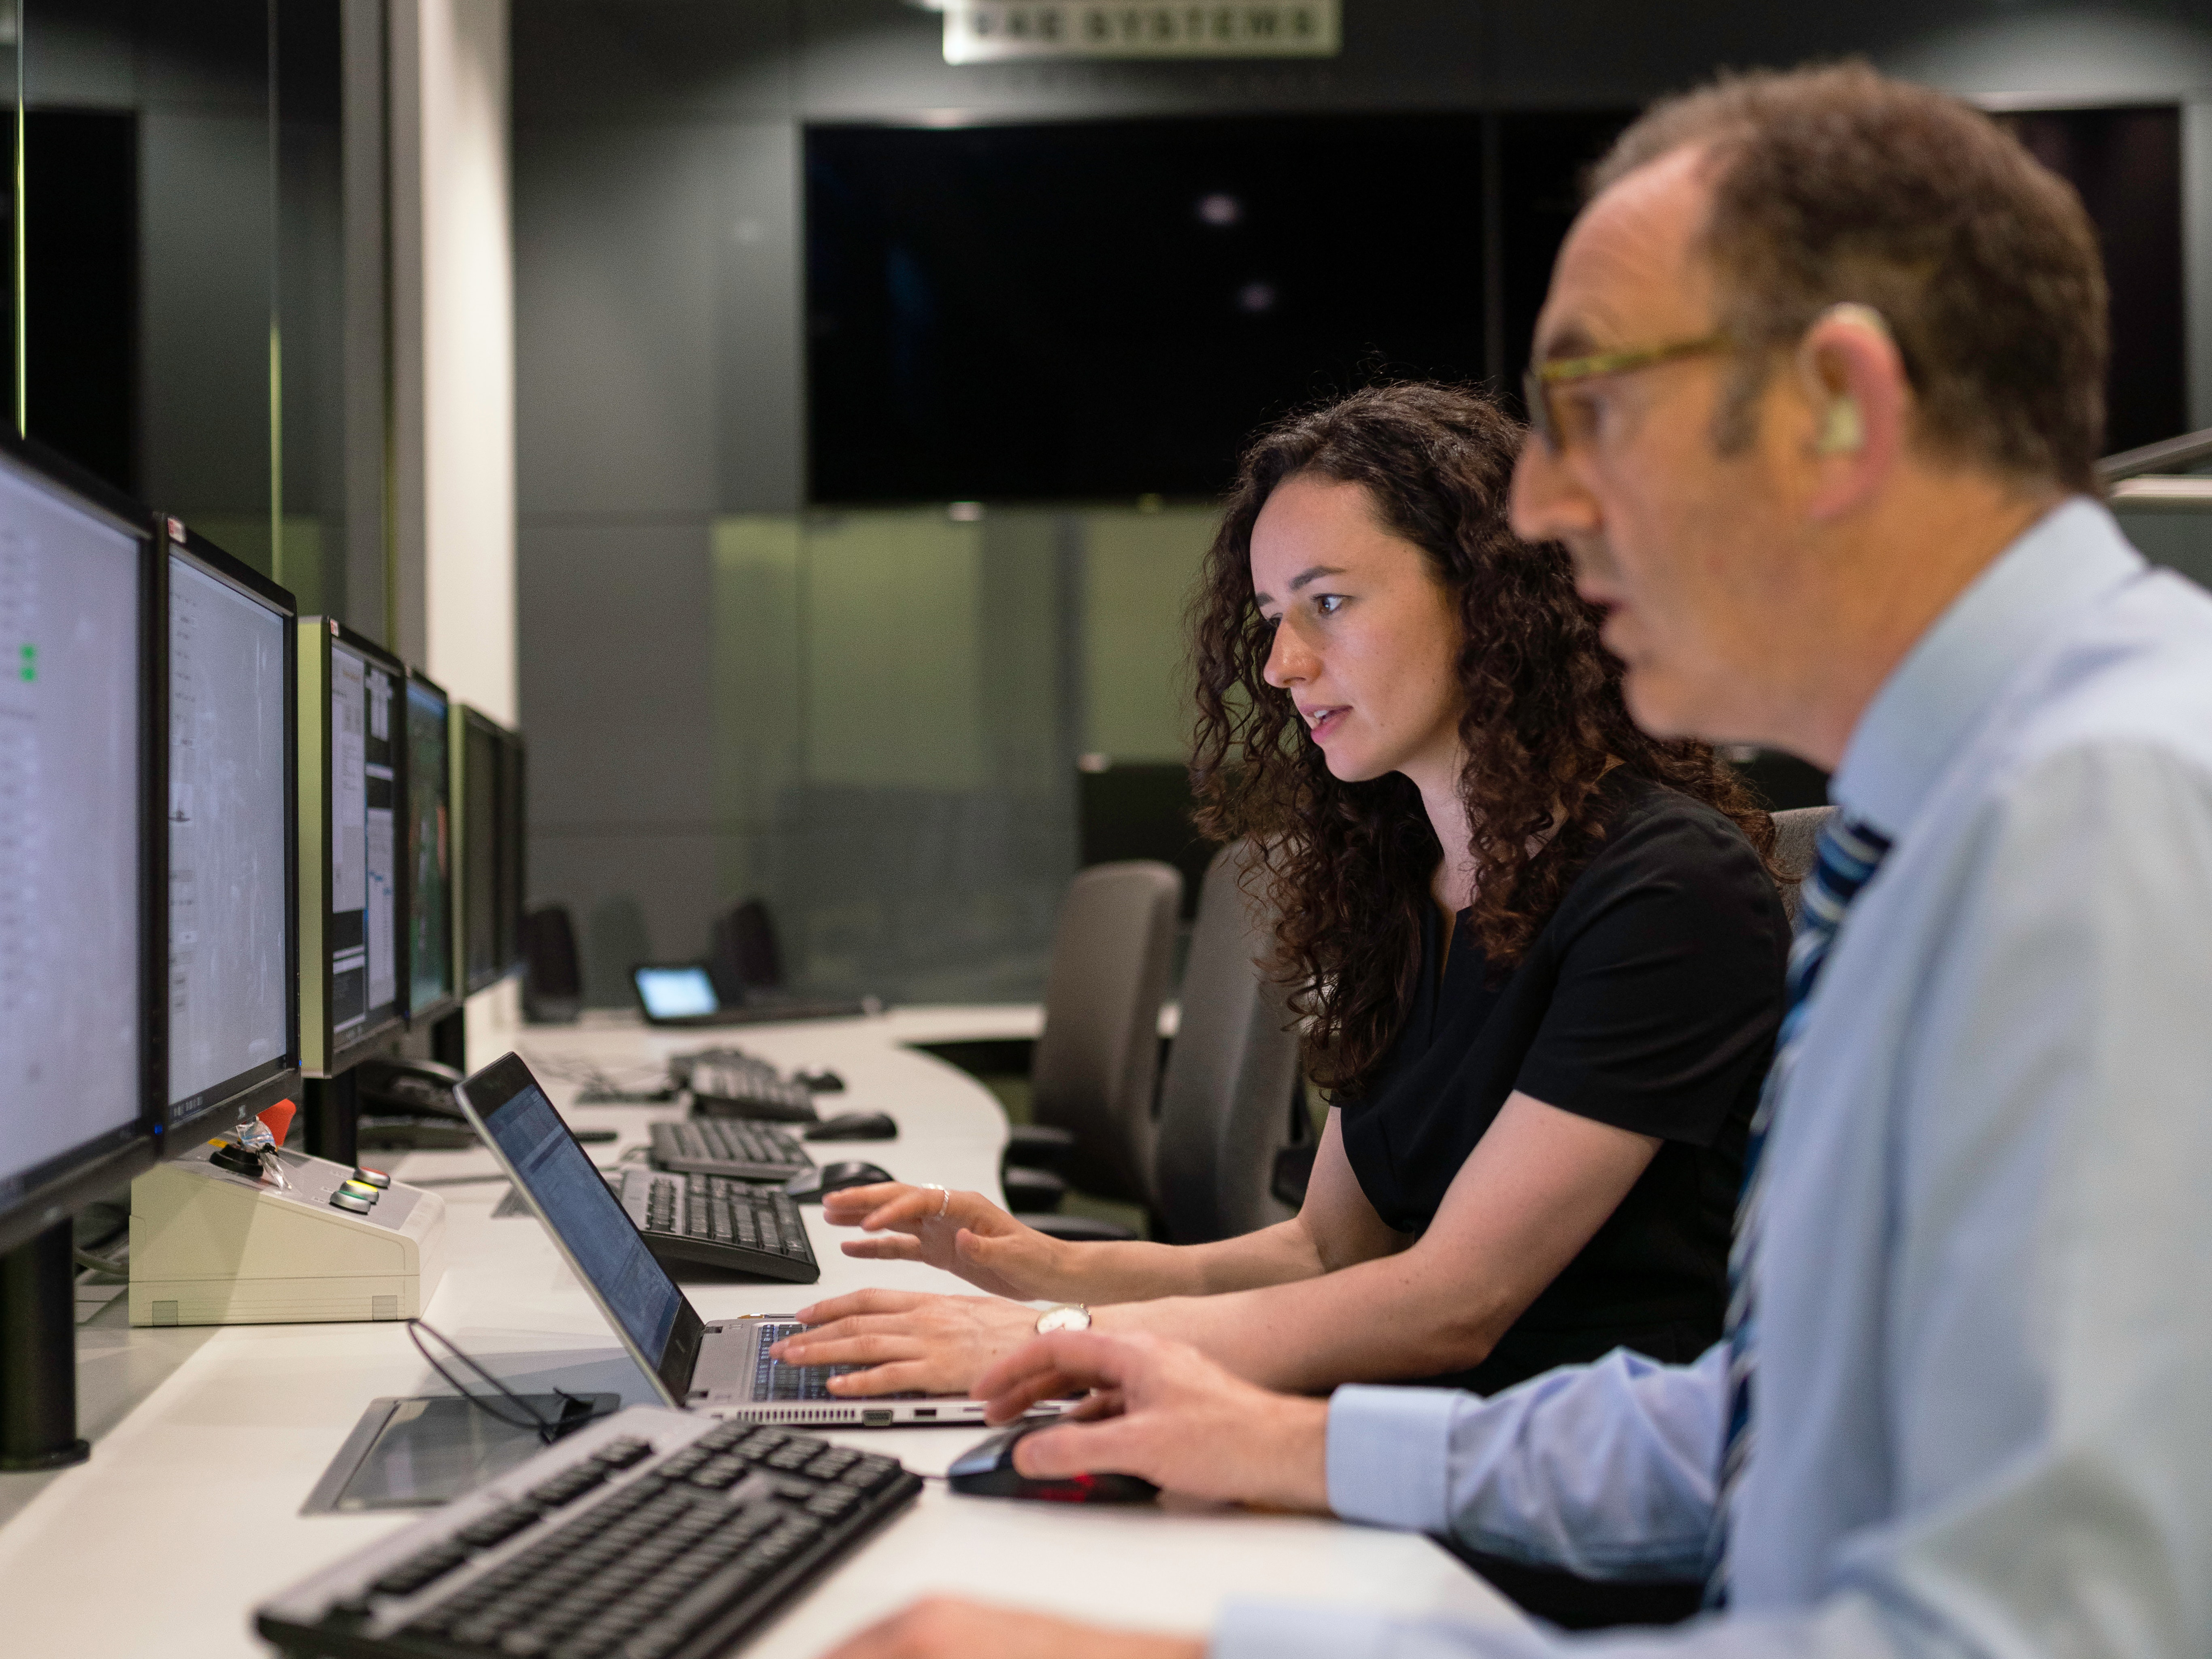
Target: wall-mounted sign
(985,31)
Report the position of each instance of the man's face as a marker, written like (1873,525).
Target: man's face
(1677,542)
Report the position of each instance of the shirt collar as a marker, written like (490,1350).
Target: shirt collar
(2063,561)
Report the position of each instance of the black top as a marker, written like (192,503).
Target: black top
(1649,1001)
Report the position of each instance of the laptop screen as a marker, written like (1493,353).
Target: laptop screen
(676,992)
(585,1216)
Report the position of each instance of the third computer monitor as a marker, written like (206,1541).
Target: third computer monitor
(483,958)
(353,753)
(79,861)
(233,1019)
(433,985)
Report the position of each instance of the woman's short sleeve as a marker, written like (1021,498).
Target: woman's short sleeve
(1669,954)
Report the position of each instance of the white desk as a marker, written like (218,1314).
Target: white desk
(208,1440)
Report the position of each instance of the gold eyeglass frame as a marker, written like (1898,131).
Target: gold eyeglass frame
(1538,382)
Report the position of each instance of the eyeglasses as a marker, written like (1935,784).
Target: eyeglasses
(1542,379)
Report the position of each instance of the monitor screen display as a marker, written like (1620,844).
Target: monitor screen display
(430,849)
(508,911)
(486,958)
(676,992)
(71,817)
(229,906)
(363,923)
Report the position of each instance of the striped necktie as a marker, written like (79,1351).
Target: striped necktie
(1845,861)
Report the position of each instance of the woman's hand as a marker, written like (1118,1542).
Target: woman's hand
(963,1233)
(925,1344)
(944,1628)
(1164,1411)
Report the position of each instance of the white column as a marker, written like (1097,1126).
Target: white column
(452,298)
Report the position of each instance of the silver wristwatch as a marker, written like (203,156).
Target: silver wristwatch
(1064,1316)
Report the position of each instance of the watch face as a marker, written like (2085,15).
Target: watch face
(1064,1319)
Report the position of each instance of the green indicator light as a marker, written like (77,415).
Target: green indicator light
(30,662)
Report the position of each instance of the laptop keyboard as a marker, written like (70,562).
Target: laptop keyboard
(717,1221)
(653,1536)
(728,1146)
(773,1380)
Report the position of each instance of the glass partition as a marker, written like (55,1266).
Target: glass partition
(177,237)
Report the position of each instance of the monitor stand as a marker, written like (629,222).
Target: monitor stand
(449,1040)
(333,1117)
(38,1354)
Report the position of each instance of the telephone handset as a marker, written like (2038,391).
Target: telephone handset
(408,1104)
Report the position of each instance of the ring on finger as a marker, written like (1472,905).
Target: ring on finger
(944,1203)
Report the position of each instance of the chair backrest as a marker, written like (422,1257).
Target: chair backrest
(741,952)
(552,972)
(1098,1062)
(1232,1082)
(1796,834)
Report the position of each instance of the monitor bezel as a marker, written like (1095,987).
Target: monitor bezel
(472,983)
(262,1086)
(445,1005)
(322,1055)
(51,1192)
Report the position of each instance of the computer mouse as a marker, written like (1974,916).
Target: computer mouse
(987,1469)
(824,1082)
(855,1126)
(808,1185)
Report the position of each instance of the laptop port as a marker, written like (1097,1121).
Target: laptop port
(875,1418)
(922,1413)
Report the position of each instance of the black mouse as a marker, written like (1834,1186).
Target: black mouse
(855,1126)
(987,1469)
(824,1082)
(808,1185)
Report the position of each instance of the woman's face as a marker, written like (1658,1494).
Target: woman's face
(1366,637)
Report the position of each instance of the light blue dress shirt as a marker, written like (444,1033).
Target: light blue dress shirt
(1985,1397)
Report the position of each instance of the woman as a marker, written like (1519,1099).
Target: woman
(1540,955)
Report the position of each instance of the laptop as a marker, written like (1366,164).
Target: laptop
(684,994)
(720,1367)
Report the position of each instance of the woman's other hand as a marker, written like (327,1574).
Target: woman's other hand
(963,1233)
(909,1342)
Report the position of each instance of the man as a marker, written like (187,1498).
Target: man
(1817,397)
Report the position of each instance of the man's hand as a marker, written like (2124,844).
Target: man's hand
(963,1233)
(927,1344)
(943,1628)
(1164,1411)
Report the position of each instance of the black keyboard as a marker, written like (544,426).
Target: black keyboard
(715,1222)
(655,1535)
(728,1146)
(720,1089)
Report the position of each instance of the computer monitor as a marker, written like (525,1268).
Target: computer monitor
(231,998)
(353,783)
(511,841)
(80,857)
(483,958)
(432,984)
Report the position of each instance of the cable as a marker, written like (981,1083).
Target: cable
(548,1430)
(101,1264)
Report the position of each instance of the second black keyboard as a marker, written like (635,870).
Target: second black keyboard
(728,1146)
(713,1221)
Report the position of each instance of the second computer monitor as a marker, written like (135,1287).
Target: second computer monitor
(432,982)
(233,1016)
(353,753)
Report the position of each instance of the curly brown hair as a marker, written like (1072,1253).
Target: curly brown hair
(1346,867)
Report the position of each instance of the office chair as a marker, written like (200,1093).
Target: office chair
(552,972)
(1795,833)
(742,954)
(1233,1096)
(1095,1078)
